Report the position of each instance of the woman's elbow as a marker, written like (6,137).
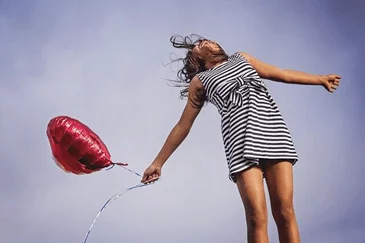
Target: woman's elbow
(183,128)
(278,75)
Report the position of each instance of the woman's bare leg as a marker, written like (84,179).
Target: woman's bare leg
(251,188)
(279,178)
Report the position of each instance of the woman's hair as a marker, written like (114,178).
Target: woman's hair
(194,63)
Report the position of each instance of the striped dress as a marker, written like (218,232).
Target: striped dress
(251,123)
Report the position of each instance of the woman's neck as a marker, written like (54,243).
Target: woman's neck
(210,65)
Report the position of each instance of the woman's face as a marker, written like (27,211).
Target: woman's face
(204,47)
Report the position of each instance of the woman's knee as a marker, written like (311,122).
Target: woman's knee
(256,217)
(283,211)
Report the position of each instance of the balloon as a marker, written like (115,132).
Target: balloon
(76,148)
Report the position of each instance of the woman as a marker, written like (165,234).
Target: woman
(257,142)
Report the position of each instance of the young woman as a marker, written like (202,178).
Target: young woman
(256,139)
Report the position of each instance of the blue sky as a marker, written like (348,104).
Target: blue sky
(100,62)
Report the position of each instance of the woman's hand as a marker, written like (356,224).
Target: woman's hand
(330,82)
(151,174)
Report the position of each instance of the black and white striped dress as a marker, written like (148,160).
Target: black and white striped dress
(252,125)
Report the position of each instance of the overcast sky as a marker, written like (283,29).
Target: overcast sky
(101,62)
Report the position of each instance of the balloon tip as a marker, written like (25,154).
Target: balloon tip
(121,164)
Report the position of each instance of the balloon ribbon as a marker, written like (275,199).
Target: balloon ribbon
(115,197)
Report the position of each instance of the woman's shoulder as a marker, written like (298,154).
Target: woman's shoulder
(237,55)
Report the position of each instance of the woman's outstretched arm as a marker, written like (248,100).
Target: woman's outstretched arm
(270,72)
(178,133)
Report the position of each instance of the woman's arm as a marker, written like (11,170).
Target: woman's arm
(178,133)
(270,72)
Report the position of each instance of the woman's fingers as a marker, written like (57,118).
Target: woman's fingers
(151,178)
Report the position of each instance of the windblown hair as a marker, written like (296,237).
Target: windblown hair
(194,63)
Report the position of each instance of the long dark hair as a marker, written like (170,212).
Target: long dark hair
(193,63)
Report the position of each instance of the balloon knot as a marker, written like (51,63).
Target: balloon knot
(121,164)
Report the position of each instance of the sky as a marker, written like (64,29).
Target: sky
(102,62)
